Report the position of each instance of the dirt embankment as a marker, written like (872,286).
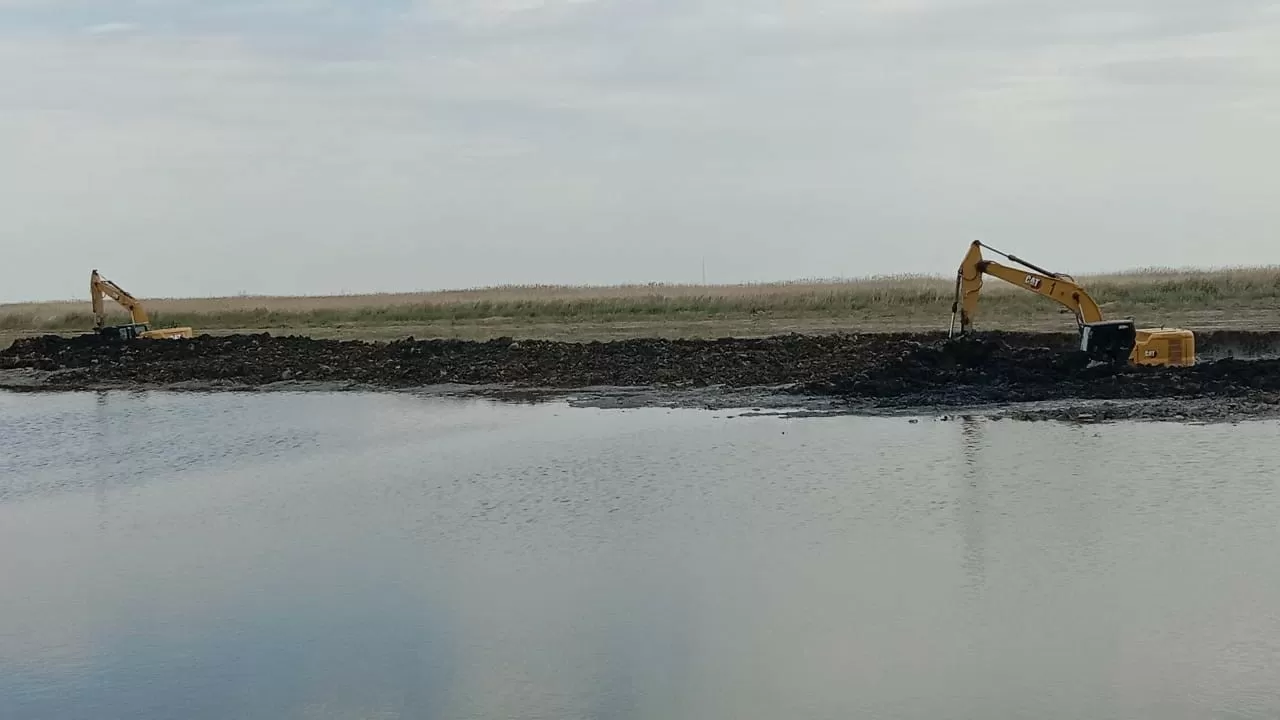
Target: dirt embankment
(255,360)
(866,371)
(987,372)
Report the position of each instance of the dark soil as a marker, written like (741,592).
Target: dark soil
(883,370)
(986,371)
(262,359)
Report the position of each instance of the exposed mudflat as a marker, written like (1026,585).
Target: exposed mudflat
(1017,375)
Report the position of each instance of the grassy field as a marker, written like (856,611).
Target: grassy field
(1234,298)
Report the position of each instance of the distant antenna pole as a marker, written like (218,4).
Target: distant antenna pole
(704,269)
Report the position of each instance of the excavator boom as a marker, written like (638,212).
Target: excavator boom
(1055,286)
(139,322)
(98,287)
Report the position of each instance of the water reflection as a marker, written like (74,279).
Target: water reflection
(972,507)
(304,556)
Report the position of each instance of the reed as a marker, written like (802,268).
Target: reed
(1163,292)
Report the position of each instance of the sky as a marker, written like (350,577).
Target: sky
(195,148)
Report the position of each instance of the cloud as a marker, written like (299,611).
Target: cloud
(111,28)
(1222,73)
(487,12)
(407,145)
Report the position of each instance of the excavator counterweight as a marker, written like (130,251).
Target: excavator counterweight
(139,323)
(1105,340)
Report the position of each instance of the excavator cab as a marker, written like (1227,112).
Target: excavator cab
(1108,340)
(120,333)
(133,331)
(1121,341)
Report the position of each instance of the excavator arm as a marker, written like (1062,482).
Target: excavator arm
(1108,340)
(139,326)
(99,287)
(1056,286)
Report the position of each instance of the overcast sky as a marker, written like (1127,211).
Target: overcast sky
(192,147)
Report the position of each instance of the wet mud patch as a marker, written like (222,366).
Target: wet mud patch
(1016,375)
(995,371)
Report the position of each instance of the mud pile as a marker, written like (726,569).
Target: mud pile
(995,371)
(877,370)
(256,360)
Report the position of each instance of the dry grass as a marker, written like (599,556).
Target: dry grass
(1195,298)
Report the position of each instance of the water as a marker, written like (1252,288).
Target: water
(389,556)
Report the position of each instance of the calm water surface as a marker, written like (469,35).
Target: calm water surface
(388,556)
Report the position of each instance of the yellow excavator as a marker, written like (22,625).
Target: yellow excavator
(1105,340)
(138,326)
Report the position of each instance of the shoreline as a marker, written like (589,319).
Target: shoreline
(999,375)
(745,402)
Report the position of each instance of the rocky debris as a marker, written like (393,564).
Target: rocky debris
(876,370)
